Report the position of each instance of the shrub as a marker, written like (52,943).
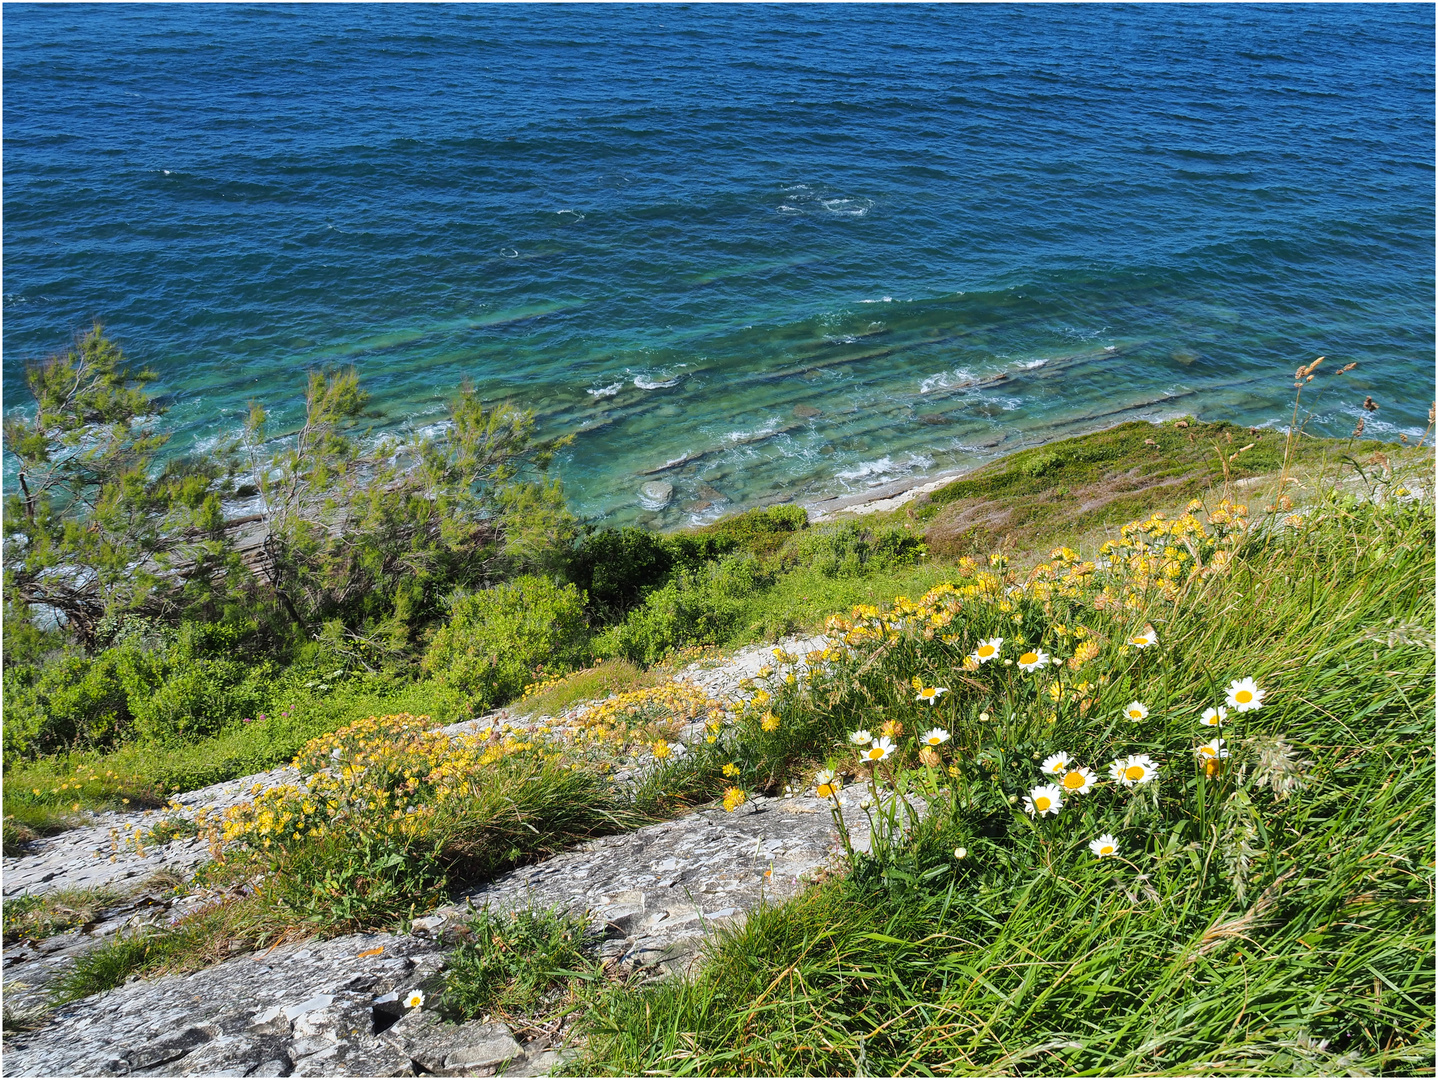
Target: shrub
(760,532)
(851,550)
(497,639)
(697,608)
(615,567)
(75,700)
(153,684)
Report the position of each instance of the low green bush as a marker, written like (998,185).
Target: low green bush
(157,685)
(852,550)
(700,607)
(616,567)
(303,707)
(498,640)
(759,532)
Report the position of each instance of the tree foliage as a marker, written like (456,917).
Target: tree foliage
(367,534)
(97,527)
(360,537)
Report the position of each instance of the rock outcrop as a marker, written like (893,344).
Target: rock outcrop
(335,1008)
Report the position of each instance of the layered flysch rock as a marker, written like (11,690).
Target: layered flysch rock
(102,854)
(334,1008)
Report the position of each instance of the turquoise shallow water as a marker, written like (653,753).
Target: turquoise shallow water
(784,251)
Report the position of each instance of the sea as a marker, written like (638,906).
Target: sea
(760,253)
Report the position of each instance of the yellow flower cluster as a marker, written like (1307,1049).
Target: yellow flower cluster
(667,707)
(385,775)
(534,689)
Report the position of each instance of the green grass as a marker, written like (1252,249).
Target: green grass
(1057,492)
(146,775)
(27,824)
(203,938)
(588,684)
(521,967)
(1246,930)
(33,918)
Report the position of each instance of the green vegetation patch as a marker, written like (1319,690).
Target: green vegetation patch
(522,968)
(1055,492)
(33,918)
(1178,820)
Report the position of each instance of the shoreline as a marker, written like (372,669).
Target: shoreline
(881,498)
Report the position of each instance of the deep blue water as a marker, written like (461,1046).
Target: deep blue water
(953,231)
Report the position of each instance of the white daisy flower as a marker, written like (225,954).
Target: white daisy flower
(826,784)
(988,649)
(1213,717)
(860,737)
(1133,770)
(1104,846)
(1078,781)
(936,737)
(1145,639)
(1211,751)
(1044,799)
(1135,710)
(414,999)
(1031,661)
(1244,695)
(879,750)
(931,693)
(1056,764)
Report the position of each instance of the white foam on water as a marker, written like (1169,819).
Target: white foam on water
(872,473)
(945,379)
(749,436)
(842,339)
(657,380)
(847,207)
(881,300)
(1029,365)
(606,391)
(1110,348)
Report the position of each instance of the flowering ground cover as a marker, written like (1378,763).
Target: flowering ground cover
(1179,819)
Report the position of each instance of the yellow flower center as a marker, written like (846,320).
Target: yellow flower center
(1137,714)
(1029,658)
(1134,772)
(986,650)
(876,754)
(1074,780)
(1043,802)
(825,791)
(1205,751)
(1243,697)
(1107,849)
